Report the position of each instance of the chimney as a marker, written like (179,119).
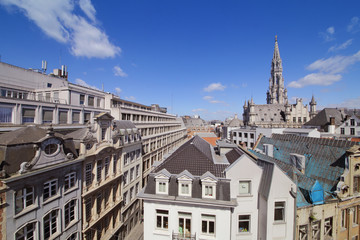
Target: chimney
(298,161)
(331,128)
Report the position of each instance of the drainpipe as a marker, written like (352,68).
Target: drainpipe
(231,216)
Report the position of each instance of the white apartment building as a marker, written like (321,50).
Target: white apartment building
(198,194)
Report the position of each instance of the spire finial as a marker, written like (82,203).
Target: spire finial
(275,38)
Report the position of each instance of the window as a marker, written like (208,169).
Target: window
(63,117)
(126,158)
(88,174)
(244,223)
(355,215)
(184,189)
(28,232)
(245,135)
(244,187)
(28,115)
(352,122)
(50,189)
(88,205)
(98,170)
(234,134)
(106,166)
(343,218)
(162,219)
(208,224)
(299,119)
(131,174)
(103,133)
(98,102)
(209,191)
(98,203)
(82,99)
(91,101)
(72,237)
(86,117)
(51,224)
(294,119)
(342,130)
(69,212)
(70,180)
(114,164)
(328,227)
(132,193)
(137,170)
(24,198)
(125,198)
(76,117)
(279,214)
(352,131)
(5,115)
(137,188)
(162,187)
(47,116)
(114,192)
(252,135)
(240,134)
(125,178)
(51,148)
(315,230)
(303,232)
(305,119)
(356,185)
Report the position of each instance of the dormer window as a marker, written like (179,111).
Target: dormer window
(185,180)
(162,182)
(208,182)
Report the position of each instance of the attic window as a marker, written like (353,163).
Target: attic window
(51,148)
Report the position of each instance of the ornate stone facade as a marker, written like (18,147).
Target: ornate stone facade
(277,112)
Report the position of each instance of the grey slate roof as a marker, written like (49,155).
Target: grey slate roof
(30,134)
(194,156)
(233,155)
(323,117)
(266,112)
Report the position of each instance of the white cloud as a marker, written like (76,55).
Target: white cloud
(315,79)
(119,72)
(329,71)
(334,64)
(215,87)
(354,25)
(57,19)
(328,35)
(349,103)
(207,98)
(83,83)
(341,46)
(118,90)
(131,98)
(199,110)
(88,9)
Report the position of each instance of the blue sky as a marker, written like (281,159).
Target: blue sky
(192,56)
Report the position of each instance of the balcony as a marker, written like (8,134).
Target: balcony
(183,236)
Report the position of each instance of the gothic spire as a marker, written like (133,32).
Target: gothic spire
(276,50)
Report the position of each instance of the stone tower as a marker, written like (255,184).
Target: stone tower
(277,93)
(312,107)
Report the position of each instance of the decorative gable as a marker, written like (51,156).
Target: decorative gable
(162,182)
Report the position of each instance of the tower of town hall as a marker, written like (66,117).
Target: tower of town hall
(277,112)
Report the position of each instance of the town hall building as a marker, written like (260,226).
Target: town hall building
(277,112)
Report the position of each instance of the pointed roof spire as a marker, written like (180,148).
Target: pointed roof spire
(276,50)
(313,100)
(245,104)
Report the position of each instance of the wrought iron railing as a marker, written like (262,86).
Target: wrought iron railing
(183,236)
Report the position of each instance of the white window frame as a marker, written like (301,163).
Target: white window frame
(23,198)
(164,218)
(207,218)
(69,181)
(207,184)
(279,208)
(242,186)
(70,211)
(27,231)
(162,187)
(49,187)
(244,220)
(51,218)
